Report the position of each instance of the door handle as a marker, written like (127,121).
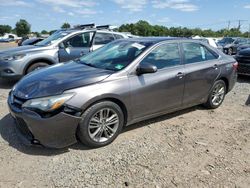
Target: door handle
(215,66)
(180,75)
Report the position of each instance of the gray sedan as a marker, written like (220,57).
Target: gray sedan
(124,82)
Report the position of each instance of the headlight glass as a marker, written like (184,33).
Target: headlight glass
(14,57)
(48,104)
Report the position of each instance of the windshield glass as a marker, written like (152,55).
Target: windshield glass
(116,55)
(227,40)
(52,38)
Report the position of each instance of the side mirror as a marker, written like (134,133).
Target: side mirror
(61,46)
(146,68)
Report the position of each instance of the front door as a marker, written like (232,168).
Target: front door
(75,46)
(160,91)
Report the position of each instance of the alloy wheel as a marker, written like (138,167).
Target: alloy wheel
(218,94)
(103,125)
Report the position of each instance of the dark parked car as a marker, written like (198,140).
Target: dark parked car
(231,49)
(243,58)
(122,83)
(30,41)
(242,47)
(226,40)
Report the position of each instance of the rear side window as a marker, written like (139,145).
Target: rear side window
(118,36)
(103,38)
(197,53)
(166,55)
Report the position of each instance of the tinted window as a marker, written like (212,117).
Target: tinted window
(79,41)
(166,55)
(103,38)
(118,36)
(196,53)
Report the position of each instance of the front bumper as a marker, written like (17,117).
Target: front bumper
(11,70)
(58,131)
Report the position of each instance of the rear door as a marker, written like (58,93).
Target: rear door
(75,46)
(162,90)
(202,67)
(102,38)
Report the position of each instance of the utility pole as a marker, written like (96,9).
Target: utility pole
(228,26)
(240,23)
(249,31)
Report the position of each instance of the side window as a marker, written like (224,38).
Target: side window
(166,55)
(197,53)
(118,36)
(103,38)
(79,41)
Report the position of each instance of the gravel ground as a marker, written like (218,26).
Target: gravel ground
(191,148)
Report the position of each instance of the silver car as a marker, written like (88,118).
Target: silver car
(91,99)
(62,46)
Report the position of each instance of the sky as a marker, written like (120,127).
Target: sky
(51,14)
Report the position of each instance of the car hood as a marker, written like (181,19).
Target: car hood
(21,49)
(56,79)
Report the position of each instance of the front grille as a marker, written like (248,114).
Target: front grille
(18,102)
(23,128)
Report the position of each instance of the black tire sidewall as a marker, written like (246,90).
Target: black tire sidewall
(82,132)
(209,103)
(36,65)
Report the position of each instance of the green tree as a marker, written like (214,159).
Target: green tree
(22,28)
(52,31)
(5,29)
(65,25)
(143,28)
(37,34)
(44,32)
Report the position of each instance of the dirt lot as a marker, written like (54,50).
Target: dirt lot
(191,148)
(7,45)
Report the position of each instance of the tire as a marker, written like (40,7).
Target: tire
(36,66)
(213,102)
(230,51)
(92,122)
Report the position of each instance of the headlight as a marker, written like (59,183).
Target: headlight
(14,57)
(48,104)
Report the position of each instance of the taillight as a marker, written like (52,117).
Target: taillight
(235,65)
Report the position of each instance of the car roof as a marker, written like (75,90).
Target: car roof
(156,39)
(73,30)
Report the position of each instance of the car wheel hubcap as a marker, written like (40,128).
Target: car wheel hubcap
(218,94)
(103,125)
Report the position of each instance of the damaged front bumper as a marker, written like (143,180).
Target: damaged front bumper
(57,131)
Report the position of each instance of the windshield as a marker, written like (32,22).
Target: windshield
(116,55)
(226,40)
(52,38)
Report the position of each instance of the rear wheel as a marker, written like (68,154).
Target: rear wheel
(217,95)
(100,124)
(36,66)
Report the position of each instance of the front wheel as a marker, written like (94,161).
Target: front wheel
(100,124)
(230,51)
(36,66)
(216,95)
